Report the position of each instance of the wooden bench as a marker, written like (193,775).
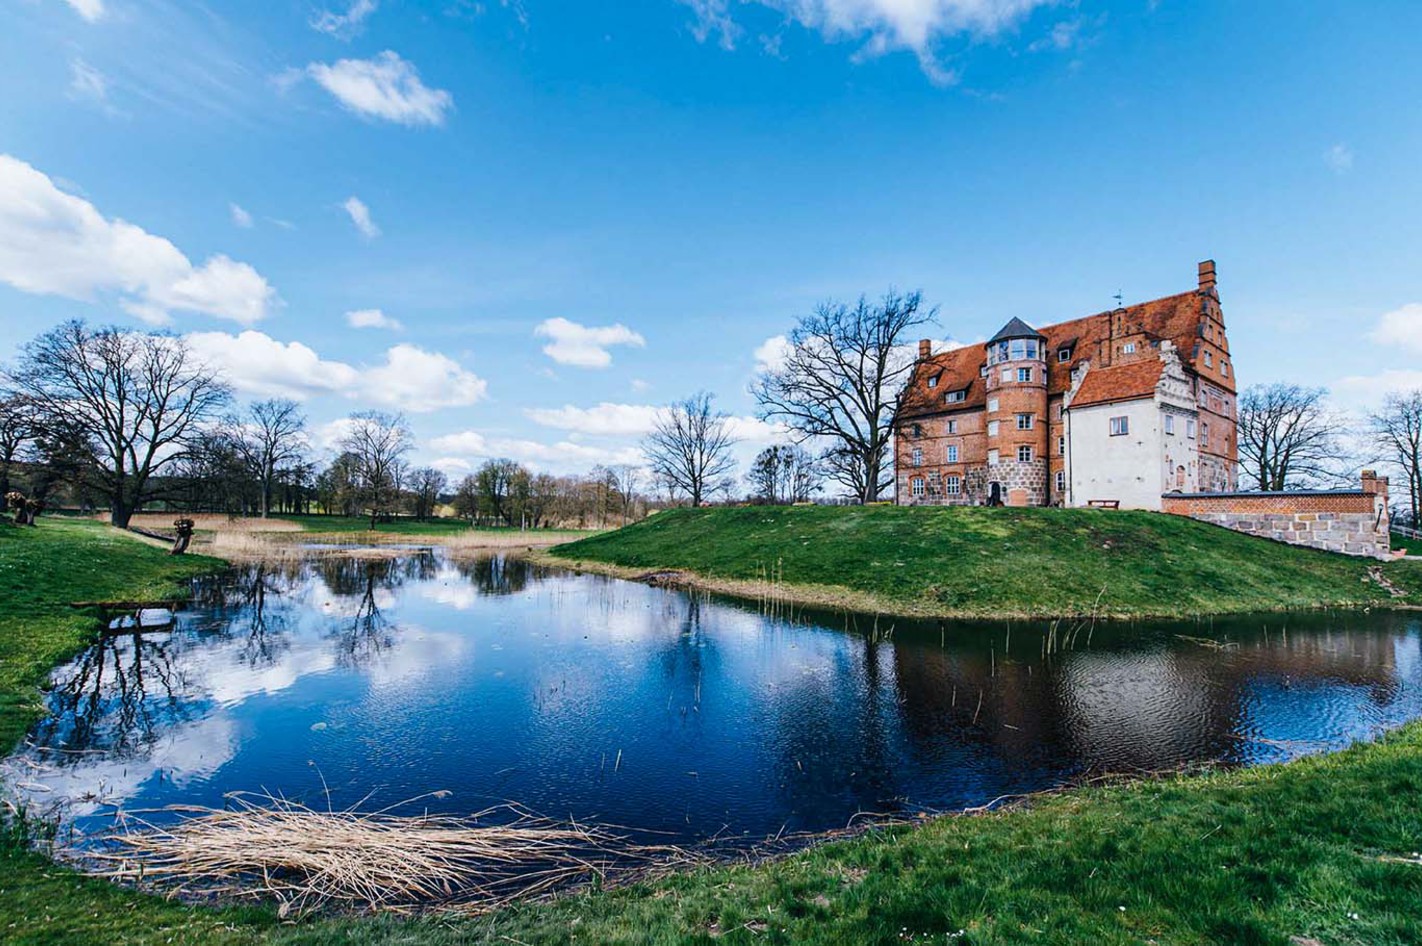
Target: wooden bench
(1104,503)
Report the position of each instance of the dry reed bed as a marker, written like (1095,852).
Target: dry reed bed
(270,847)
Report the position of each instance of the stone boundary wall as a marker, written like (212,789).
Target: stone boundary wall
(1353,522)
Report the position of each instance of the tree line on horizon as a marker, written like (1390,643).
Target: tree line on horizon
(126,420)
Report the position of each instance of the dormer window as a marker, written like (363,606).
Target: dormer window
(1063,355)
(933,381)
(918,430)
(1129,348)
(955,397)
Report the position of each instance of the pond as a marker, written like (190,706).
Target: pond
(671,714)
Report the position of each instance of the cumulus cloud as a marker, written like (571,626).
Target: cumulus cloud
(359,213)
(584,346)
(881,25)
(372,318)
(240,217)
(608,420)
(384,87)
(344,25)
(1364,392)
(563,456)
(409,379)
(772,354)
(91,10)
(418,381)
(1401,327)
(1339,159)
(55,243)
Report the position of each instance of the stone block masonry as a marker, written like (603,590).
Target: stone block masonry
(1352,522)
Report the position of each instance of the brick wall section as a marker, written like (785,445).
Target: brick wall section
(1353,522)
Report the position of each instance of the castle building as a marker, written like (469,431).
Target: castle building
(1116,408)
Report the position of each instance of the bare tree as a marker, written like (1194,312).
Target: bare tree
(426,483)
(17,424)
(625,478)
(377,442)
(1287,436)
(784,473)
(842,374)
(1397,428)
(136,399)
(269,438)
(689,448)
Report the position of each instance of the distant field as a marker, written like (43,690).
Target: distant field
(986,562)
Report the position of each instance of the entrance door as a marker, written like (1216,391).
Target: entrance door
(994,494)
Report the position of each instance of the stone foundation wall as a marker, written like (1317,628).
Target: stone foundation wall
(1350,522)
(1023,484)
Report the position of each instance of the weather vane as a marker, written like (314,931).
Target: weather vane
(1118,297)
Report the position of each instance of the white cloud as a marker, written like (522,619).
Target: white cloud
(419,381)
(91,10)
(410,379)
(259,365)
(1402,327)
(564,456)
(240,217)
(372,318)
(1363,392)
(1339,159)
(582,345)
(345,24)
(772,354)
(639,385)
(609,420)
(87,83)
(384,87)
(360,216)
(882,25)
(54,243)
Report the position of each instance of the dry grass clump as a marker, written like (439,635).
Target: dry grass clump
(213,522)
(478,541)
(266,846)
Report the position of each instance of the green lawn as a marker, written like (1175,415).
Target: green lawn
(985,562)
(1321,848)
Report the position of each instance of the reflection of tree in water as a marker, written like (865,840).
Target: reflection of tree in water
(116,697)
(369,633)
(496,574)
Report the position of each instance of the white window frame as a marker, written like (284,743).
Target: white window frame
(1061,481)
(933,381)
(1024,375)
(992,405)
(1024,454)
(993,428)
(916,486)
(1063,355)
(994,457)
(1121,426)
(1209,360)
(952,453)
(1007,374)
(917,456)
(955,397)
(1129,348)
(1026,421)
(952,485)
(1170,424)
(1224,367)
(952,426)
(1190,428)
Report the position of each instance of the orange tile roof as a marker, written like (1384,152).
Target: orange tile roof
(1122,383)
(1176,318)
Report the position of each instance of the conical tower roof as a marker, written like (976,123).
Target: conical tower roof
(1015,329)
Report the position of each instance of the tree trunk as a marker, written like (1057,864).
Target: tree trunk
(120,512)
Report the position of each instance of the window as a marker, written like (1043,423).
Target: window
(982,372)
(992,428)
(1007,374)
(1024,374)
(952,453)
(1057,411)
(1061,445)
(1170,423)
(1120,426)
(917,430)
(1205,431)
(953,485)
(1209,360)
(952,426)
(955,397)
(993,458)
(1190,428)
(1024,454)
(916,486)
(1224,367)
(1024,421)
(933,381)
(918,456)
(1063,355)
(1061,481)
(992,405)
(1129,348)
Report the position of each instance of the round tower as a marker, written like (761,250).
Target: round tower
(1017,416)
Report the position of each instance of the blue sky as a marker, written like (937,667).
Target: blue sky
(551,217)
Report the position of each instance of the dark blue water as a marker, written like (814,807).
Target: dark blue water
(663,711)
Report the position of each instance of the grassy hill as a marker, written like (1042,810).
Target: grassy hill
(982,562)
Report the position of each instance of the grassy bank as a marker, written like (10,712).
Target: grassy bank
(1322,848)
(991,562)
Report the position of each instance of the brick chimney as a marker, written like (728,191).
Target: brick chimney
(1207,276)
(925,348)
(1374,485)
